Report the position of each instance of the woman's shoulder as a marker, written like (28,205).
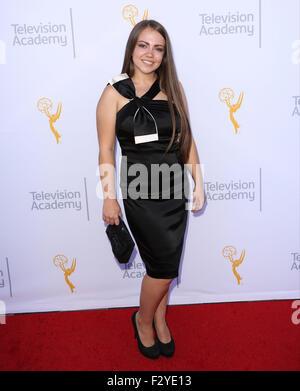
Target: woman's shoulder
(110,96)
(117,79)
(122,83)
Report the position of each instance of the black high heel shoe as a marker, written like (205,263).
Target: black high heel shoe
(166,349)
(151,351)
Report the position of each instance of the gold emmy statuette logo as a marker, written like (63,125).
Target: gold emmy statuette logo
(61,261)
(226,95)
(44,105)
(130,12)
(229,252)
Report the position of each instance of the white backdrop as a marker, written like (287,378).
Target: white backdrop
(54,253)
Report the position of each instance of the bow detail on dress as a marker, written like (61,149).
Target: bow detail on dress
(144,124)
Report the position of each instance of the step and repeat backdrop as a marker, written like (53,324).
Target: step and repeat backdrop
(239,63)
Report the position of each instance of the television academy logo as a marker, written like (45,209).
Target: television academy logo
(295,261)
(45,105)
(61,261)
(296,110)
(229,252)
(229,23)
(134,270)
(130,12)
(41,34)
(226,95)
(230,190)
(59,199)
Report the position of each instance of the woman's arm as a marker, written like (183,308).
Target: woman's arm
(193,163)
(106,122)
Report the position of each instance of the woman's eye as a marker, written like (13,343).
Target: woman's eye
(141,45)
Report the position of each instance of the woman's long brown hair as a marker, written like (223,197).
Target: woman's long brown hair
(169,84)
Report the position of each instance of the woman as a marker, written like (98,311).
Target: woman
(144,107)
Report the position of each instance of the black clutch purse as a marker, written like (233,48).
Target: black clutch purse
(121,241)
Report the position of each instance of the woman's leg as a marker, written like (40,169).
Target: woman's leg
(153,290)
(161,327)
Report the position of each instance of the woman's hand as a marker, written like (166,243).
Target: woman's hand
(111,211)
(199,199)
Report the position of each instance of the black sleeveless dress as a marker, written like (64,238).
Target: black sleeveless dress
(155,203)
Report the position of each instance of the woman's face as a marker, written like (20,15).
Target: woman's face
(149,50)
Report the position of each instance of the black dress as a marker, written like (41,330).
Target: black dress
(156,211)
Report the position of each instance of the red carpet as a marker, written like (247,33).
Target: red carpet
(229,336)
